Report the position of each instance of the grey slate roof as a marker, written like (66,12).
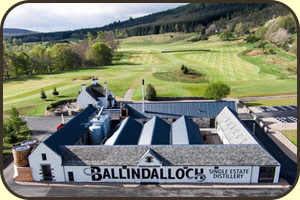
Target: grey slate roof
(96,91)
(70,133)
(155,131)
(185,131)
(127,134)
(176,155)
(203,109)
(233,129)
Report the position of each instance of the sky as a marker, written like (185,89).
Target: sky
(48,17)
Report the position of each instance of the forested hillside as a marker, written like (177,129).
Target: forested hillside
(10,32)
(187,18)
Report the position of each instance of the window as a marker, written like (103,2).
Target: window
(149,159)
(44,157)
(71,176)
(266,174)
(124,113)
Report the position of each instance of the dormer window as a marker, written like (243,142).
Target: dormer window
(149,159)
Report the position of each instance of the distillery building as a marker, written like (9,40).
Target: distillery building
(160,143)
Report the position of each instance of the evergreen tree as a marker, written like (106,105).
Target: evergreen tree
(185,70)
(43,94)
(150,93)
(16,122)
(182,67)
(55,92)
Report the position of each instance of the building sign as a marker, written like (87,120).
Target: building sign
(229,173)
(167,174)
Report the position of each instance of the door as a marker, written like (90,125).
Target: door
(47,173)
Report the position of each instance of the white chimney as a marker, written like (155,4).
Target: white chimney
(62,119)
(105,88)
(94,81)
(143,96)
(83,87)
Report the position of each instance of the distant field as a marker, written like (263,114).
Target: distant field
(291,135)
(139,57)
(273,102)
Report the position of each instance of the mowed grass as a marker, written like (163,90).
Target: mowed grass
(273,102)
(139,57)
(291,135)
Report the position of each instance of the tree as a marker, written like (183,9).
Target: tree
(17,42)
(8,134)
(217,91)
(289,23)
(22,64)
(17,123)
(240,29)
(63,56)
(100,54)
(211,30)
(38,59)
(226,34)
(251,39)
(43,94)
(150,93)
(90,37)
(185,70)
(281,36)
(55,92)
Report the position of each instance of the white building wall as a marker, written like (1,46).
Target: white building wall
(84,99)
(255,174)
(222,135)
(35,162)
(277,173)
(210,174)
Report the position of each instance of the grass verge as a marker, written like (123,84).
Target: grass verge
(291,135)
(273,102)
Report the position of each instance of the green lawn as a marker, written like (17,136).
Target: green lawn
(291,135)
(139,57)
(273,102)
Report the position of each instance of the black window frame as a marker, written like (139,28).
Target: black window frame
(71,176)
(44,156)
(266,174)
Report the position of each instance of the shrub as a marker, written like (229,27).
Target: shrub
(217,91)
(185,70)
(55,92)
(43,94)
(150,93)
(251,39)
(226,34)
(182,67)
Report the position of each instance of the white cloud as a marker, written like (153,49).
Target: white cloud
(46,17)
